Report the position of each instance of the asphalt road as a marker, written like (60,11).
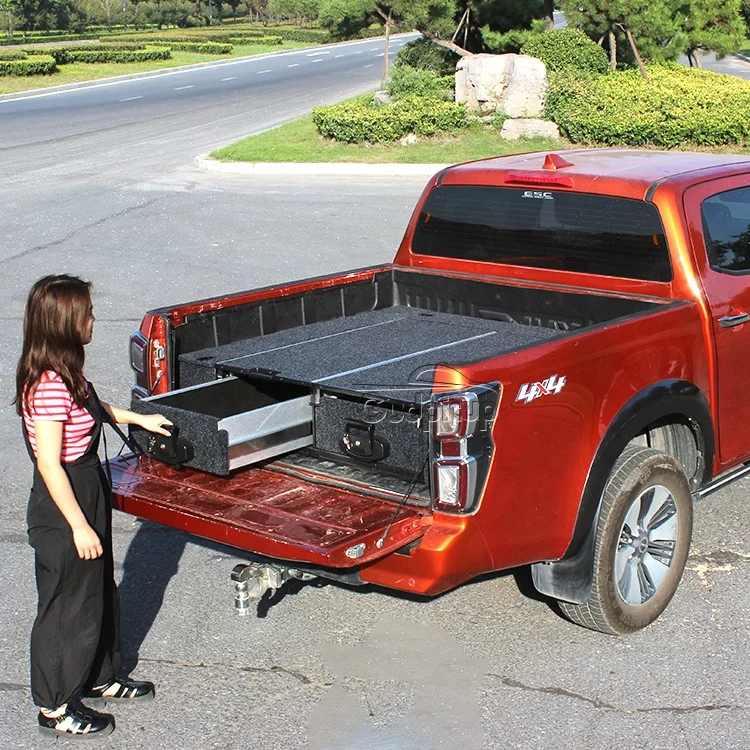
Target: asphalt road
(322,667)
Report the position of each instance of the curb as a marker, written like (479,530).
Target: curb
(741,57)
(205,163)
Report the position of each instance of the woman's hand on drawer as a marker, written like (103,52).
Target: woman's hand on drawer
(154,423)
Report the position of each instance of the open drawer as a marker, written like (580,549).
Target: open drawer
(233,422)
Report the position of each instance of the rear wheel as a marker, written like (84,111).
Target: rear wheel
(642,543)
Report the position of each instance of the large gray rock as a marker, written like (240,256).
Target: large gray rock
(513,84)
(514,130)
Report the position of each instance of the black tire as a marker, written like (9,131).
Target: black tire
(649,477)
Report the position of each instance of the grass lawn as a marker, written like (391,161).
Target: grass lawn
(745,49)
(299,141)
(78,72)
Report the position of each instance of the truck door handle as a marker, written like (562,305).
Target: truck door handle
(729,321)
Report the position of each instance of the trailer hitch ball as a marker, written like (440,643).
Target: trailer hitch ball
(249,585)
(252,580)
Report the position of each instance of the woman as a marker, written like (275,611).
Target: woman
(75,639)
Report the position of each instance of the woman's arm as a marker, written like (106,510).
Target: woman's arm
(49,450)
(150,422)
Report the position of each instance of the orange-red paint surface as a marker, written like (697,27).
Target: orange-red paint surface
(543,449)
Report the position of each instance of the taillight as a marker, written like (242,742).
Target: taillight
(461,446)
(455,482)
(456,417)
(138,346)
(148,355)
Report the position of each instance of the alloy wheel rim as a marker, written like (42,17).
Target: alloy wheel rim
(646,545)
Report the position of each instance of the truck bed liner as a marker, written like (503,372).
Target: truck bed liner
(380,352)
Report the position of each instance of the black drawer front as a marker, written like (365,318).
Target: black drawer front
(339,420)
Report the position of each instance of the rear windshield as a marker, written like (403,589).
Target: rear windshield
(564,231)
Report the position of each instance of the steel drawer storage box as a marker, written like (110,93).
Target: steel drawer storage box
(233,421)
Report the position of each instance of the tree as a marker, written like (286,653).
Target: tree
(549,12)
(715,25)
(613,22)
(303,11)
(9,10)
(48,14)
(346,18)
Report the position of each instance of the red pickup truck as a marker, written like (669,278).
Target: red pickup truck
(549,373)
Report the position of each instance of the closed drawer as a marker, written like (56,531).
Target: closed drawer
(235,421)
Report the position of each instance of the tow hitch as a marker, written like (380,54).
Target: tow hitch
(252,580)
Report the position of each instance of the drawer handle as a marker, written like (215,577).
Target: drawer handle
(729,321)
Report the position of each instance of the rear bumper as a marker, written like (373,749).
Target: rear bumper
(285,518)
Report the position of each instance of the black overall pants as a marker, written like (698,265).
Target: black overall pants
(75,641)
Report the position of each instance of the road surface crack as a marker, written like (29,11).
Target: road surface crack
(274,669)
(8,687)
(596,703)
(79,230)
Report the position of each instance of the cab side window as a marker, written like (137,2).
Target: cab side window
(726,228)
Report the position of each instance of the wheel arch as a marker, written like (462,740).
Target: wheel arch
(651,413)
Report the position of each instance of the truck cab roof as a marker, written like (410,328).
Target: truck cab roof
(624,172)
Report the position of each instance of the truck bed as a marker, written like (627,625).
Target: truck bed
(384,353)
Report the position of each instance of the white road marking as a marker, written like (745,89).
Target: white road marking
(381,54)
(264,71)
(361,52)
(40,93)
(131,98)
(318,60)
(180,88)
(371,65)
(340,55)
(325,52)
(295,65)
(231,78)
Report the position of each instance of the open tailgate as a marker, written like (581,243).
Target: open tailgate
(266,512)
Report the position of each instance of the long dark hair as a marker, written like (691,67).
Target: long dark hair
(54,332)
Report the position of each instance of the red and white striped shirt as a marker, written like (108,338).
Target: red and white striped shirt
(52,401)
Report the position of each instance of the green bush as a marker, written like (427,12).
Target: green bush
(271,40)
(423,54)
(305,36)
(359,121)
(104,53)
(500,43)
(202,48)
(407,81)
(35,65)
(677,105)
(120,56)
(19,55)
(566,49)
(36,38)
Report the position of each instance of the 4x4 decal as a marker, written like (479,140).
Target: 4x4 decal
(529,391)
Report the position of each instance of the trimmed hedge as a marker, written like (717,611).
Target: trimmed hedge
(567,49)
(207,37)
(202,48)
(407,81)
(37,39)
(35,65)
(360,121)
(120,56)
(19,55)
(677,105)
(270,40)
(103,53)
(306,36)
